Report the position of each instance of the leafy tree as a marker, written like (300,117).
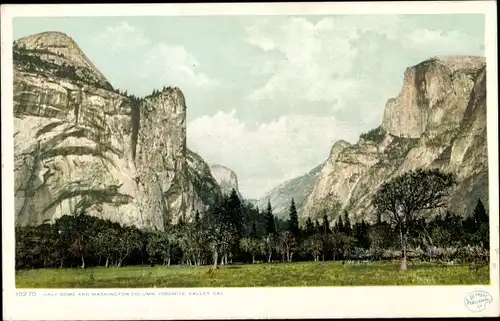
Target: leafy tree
(128,242)
(246,246)
(153,246)
(268,245)
(76,236)
(336,242)
(441,237)
(106,242)
(348,245)
(312,245)
(287,245)
(380,237)
(250,245)
(217,230)
(406,196)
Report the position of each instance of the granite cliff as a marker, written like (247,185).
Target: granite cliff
(80,145)
(438,120)
(226,178)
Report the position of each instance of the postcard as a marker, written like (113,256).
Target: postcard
(250,160)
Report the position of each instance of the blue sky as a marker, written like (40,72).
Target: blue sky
(268,95)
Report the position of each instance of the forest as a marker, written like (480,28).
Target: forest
(234,231)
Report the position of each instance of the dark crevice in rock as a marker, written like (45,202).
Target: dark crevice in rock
(32,170)
(136,123)
(420,83)
(91,196)
(48,128)
(75,151)
(477,98)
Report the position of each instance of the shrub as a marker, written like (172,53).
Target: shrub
(375,135)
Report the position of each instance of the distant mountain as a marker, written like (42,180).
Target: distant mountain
(226,178)
(297,188)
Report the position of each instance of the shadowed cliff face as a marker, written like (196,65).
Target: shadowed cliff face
(437,121)
(80,146)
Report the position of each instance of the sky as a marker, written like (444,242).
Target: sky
(267,96)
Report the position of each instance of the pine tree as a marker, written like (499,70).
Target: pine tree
(293,222)
(317,227)
(326,225)
(309,227)
(235,214)
(253,231)
(340,225)
(364,235)
(480,215)
(271,226)
(479,233)
(347,225)
(197,218)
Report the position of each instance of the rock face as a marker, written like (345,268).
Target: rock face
(437,121)
(81,146)
(226,179)
(297,188)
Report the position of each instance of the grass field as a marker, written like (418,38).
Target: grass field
(256,275)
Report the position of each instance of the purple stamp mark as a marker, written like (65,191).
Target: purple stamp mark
(477,301)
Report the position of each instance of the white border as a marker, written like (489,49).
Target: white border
(325,302)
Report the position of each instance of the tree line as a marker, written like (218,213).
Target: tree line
(236,231)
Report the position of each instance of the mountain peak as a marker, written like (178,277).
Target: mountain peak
(60,49)
(458,62)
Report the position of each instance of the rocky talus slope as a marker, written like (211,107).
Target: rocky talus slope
(81,146)
(438,120)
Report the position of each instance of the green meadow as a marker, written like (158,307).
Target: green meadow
(256,275)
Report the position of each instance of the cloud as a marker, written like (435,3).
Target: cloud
(156,64)
(439,40)
(266,154)
(297,76)
(175,63)
(122,36)
(314,61)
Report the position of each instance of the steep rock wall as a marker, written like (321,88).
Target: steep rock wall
(437,121)
(80,146)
